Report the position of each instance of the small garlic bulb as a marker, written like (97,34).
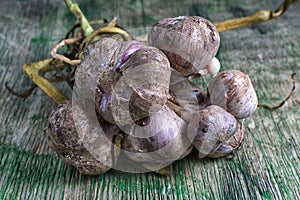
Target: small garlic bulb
(212,126)
(233,91)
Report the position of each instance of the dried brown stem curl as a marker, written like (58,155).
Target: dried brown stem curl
(279,105)
(23,95)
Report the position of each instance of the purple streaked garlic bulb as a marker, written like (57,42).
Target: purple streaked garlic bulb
(161,139)
(230,145)
(212,126)
(190,42)
(64,138)
(142,89)
(233,91)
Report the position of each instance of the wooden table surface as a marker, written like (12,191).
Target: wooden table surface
(268,165)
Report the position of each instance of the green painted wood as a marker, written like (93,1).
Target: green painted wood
(268,165)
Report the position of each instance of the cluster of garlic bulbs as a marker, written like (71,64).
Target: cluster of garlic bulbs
(136,106)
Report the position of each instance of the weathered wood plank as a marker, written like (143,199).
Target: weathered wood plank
(268,165)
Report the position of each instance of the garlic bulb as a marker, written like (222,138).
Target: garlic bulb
(212,126)
(141,89)
(63,137)
(162,140)
(233,91)
(190,43)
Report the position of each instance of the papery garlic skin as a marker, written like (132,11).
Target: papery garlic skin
(190,43)
(233,91)
(141,90)
(230,145)
(64,138)
(162,140)
(212,126)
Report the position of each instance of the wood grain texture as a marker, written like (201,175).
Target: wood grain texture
(268,165)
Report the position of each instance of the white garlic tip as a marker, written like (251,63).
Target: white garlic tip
(213,67)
